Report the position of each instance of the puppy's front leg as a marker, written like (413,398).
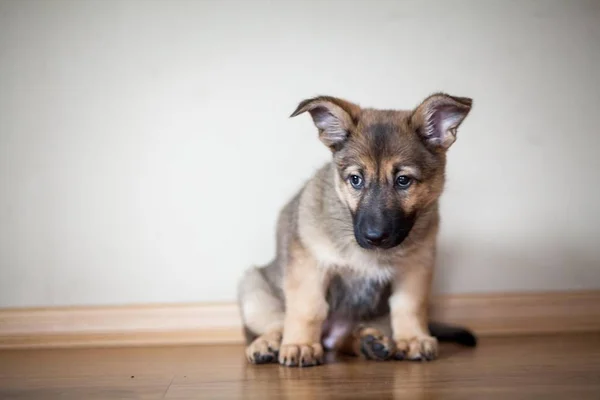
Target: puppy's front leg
(306,309)
(409,311)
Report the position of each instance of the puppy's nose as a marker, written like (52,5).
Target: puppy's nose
(375,236)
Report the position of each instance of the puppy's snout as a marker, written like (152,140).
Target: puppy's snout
(382,230)
(373,231)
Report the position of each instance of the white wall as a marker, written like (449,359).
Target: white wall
(145,147)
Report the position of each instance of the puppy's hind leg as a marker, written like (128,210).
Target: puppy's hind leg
(370,340)
(262,314)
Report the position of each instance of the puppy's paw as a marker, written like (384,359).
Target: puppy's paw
(420,348)
(375,346)
(301,355)
(264,349)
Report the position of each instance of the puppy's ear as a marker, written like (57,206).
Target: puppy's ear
(438,117)
(334,118)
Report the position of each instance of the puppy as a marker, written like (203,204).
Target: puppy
(356,245)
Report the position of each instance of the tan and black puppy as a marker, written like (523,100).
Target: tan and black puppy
(356,246)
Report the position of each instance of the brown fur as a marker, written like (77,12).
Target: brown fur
(332,282)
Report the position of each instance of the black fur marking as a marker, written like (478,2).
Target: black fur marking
(358,299)
(379,135)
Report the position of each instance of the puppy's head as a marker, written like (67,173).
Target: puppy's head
(390,163)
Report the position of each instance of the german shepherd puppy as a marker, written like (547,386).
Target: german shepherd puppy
(356,245)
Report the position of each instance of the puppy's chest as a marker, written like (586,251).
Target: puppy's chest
(357,298)
(360,284)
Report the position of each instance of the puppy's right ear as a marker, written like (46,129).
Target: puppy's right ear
(334,118)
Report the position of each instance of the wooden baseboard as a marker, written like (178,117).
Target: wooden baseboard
(486,314)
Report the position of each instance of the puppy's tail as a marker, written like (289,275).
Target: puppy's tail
(450,333)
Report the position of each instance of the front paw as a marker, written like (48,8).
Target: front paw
(418,348)
(301,355)
(264,349)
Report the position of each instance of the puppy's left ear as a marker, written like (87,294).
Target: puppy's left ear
(438,117)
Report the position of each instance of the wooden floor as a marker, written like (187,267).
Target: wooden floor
(548,367)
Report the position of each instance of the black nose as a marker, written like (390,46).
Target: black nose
(375,236)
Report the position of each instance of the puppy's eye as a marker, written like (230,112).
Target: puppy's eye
(403,181)
(356,181)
